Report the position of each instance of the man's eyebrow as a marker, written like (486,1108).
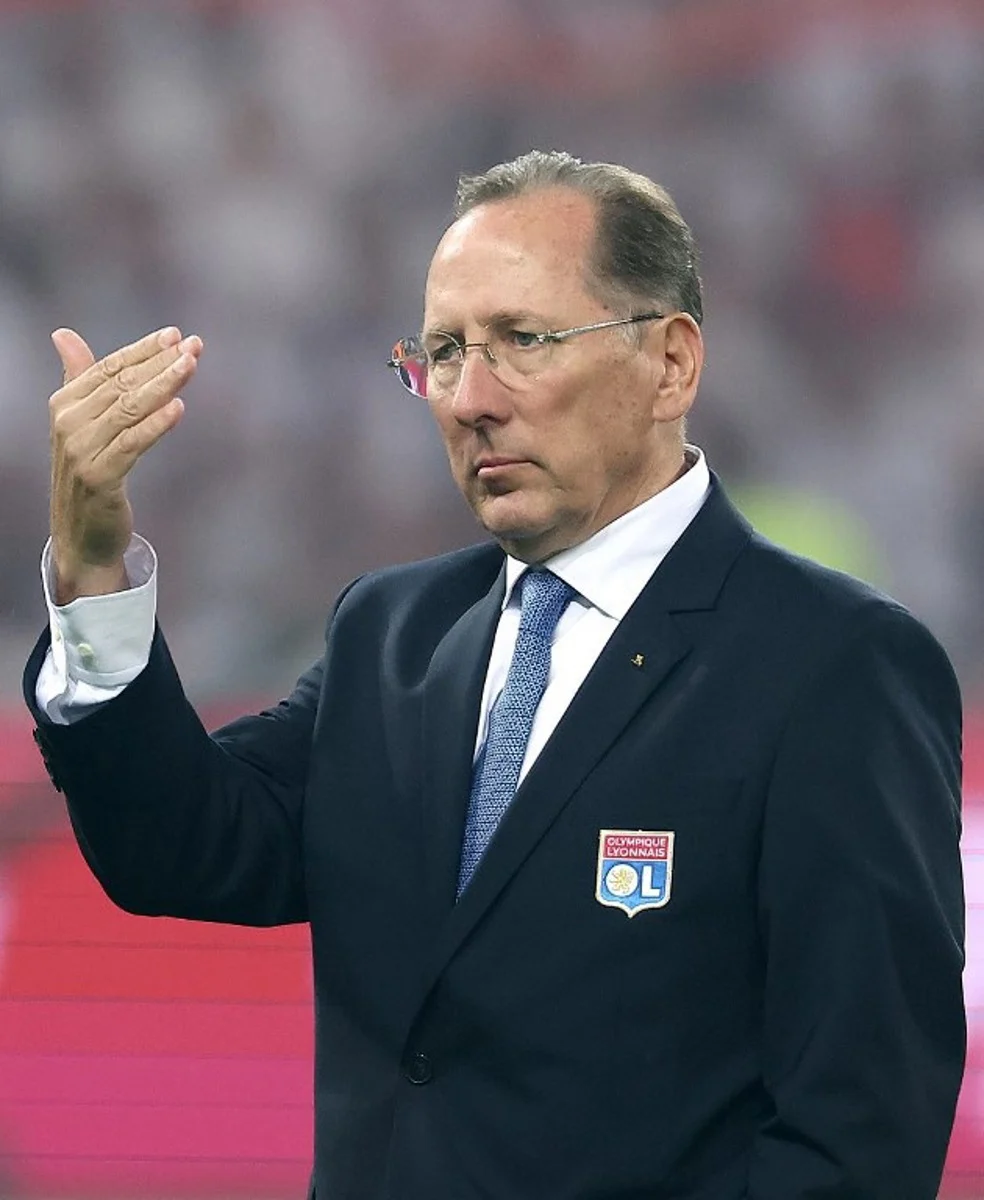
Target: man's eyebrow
(504,316)
(445,330)
(497,319)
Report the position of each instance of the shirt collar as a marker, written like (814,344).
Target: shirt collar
(612,567)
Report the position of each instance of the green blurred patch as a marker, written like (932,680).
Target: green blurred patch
(815,526)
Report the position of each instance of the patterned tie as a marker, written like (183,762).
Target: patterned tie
(544,598)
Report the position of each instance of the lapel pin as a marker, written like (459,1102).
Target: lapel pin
(638,660)
(635,869)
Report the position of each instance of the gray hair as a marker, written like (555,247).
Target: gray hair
(644,250)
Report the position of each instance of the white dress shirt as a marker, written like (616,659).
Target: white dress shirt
(608,572)
(99,644)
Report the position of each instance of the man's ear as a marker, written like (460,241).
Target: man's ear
(678,353)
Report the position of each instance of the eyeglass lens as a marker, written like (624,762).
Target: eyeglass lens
(410,364)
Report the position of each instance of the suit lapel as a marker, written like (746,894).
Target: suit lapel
(452,697)
(639,660)
(613,692)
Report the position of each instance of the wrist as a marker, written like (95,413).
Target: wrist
(71,582)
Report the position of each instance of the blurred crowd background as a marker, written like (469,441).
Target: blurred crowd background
(274,176)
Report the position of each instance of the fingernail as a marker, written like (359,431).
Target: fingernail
(189,345)
(169,337)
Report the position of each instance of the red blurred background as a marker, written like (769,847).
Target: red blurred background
(138,1057)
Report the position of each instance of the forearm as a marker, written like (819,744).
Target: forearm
(168,820)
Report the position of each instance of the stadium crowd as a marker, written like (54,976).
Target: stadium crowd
(275,177)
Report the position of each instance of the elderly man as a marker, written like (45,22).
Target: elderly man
(628,841)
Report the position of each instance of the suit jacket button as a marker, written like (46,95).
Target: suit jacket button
(420,1069)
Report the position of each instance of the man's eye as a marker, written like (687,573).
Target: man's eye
(444,353)
(523,339)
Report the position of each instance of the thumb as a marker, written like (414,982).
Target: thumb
(75,355)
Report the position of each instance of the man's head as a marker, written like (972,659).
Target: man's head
(557,438)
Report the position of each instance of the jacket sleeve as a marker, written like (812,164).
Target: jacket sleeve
(173,821)
(861,909)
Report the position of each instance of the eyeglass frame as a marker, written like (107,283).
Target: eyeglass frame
(542,339)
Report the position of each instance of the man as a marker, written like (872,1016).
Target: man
(628,841)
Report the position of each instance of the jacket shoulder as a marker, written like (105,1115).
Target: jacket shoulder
(415,603)
(471,570)
(821,604)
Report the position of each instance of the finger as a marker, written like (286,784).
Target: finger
(74,353)
(97,373)
(92,439)
(121,389)
(117,459)
(138,352)
(132,379)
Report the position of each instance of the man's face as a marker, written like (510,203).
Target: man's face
(547,461)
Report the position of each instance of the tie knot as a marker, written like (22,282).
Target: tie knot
(544,597)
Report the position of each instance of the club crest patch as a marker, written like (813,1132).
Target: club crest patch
(635,869)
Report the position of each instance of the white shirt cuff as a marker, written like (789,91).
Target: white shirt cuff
(99,644)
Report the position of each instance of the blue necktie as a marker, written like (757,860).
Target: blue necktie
(496,774)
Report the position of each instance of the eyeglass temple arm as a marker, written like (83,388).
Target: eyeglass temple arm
(566,333)
(549,336)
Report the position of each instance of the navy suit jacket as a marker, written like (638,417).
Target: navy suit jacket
(788,1026)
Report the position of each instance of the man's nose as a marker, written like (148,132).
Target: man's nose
(479,394)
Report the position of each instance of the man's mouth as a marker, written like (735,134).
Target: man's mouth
(489,464)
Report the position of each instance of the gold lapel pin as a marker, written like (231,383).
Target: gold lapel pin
(638,660)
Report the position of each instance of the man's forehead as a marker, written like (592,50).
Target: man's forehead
(547,215)
(515,241)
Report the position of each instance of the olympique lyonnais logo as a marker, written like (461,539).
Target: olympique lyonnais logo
(635,869)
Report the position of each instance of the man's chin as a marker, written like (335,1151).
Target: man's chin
(523,534)
(507,516)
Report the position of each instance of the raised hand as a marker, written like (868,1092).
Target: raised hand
(103,418)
